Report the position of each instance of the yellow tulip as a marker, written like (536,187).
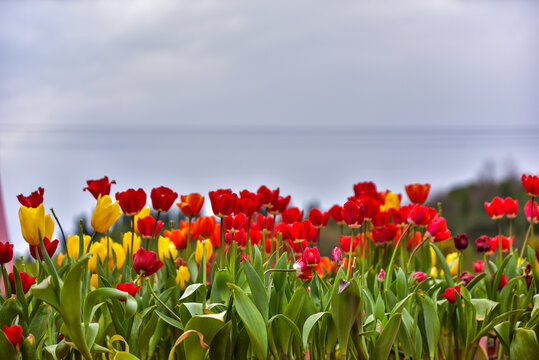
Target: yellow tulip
(200,250)
(452,260)
(94,284)
(105,214)
(98,250)
(33,221)
(166,248)
(142,214)
(432,256)
(434,272)
(60,259)
(183,276)
(73,245)
(127,238)
(392,201)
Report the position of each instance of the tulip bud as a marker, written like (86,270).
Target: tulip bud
(381,275)
(478,266)
(336,256)
(461,241)
(419,276)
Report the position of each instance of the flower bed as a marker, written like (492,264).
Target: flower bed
(251,283)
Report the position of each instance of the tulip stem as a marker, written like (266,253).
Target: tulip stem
(392,261)
(500,255)
(149,286)
(154,235)
(221,245)
(203,264)
(61,230)
(188,249)
(7,285)
(130,255)
(530,231)
(348,272)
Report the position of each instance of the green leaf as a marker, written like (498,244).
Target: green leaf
(169,320)
(279,323)
(97,297)
(190,290)
(310,323)
(385,341)
(253,321)
(524,344)
(344,310)
(20,293)
(207,325)
(45,292)
(483,307)
(7,349)
(38,324)
(221,345)
(258,291)
(443,264)
(122,355)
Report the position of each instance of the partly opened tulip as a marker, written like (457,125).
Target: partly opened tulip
(131,201)
(417,193)
(73,245)
(50,247)
(148,227)
(99,187)
(200,250)
(13,334)
(496,208)
(6,252)
(182,276)
(163,198)
(450,294)
(105,214)
(129,288)
(531,184)
(33,200)
(146,263)
(191,204)
(33,222)
(26,282)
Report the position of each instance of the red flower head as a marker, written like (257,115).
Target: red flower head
(178,237)
(437,229)
(163,198)
(255,236)
(353,214)
(235,223)
(414,240)
(528,211)
(267,196)
(240,237)
(146,227)
(482,245)
(215,238)
(33,200)
(336,214)
(184,225)
(503,281)
(496,208)
(297,246)
(461,242)
(248,203)
(303,271)
(6,252)
(495,243)
(421,215)
(400,216)
(345,243)
(419,276)
(191,204)
(381,219)
(279,205)
(478,266)
(336,255)
(466,277)
(26,282)
(318,218)
(13,334)
(99,187)
(417,193)
(263,221)
(49,246)
(450,294)
(206,226)
(223,202)
(511,208)
(146,262)
(311,256)
(312,233)
(129,288)
(367,188)
(131,201)
(292,215)
(299,230)
(531,184)
(371,206)
(386,234)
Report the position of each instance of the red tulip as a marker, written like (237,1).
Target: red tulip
(206,226)
(421,215)
(466,277)
(417,193)
(215,238)
(33,200)
(419,276)
(437,229)
(511,208)
(13,334)
(6,252)
(131,201)
(482,245)
(240,237)
(386,234)
(311,256)
(336,214)
(299,230)
(235,223)
(248,203)
(400,216)
(318,218)
(26,282)
(496,208)
(129,288)
(503,281)
(223,202)
(297,246)
(495,243)
(380,220)
(146,226)
(336,255)
(50,247)
(292,215)
(531,184)
(479,266)
(191,204)
(99,187)
(178,237)
(146,262)
(450,294)
(267,196)
(353,214)
(279,205)
(163,198)
(303,271)
(528,211)
(370,205)
(345,243)
(367,188)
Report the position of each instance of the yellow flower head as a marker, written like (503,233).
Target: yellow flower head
(60,259)
(105,214)
(392,201)
(73,245)
(142,214)
(33,221)
(127,238)
(99,250)
(434,272)
(166,248)
(94,284)
(200,250)
(452,260)
(182,277)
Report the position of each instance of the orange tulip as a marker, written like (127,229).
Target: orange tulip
(178,237)
(191,204)
(417,193)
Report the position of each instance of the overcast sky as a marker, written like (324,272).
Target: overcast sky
(311,96)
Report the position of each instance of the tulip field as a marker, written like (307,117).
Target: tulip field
(249,281)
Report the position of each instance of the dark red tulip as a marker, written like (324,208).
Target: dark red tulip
(531,184)
(163,198)
(131,201)
(292,215)
(370,205)
(129,288)
(6,252)
(450,294)
(482,244)
(417,193)
(318,218)
(461,241)
(26,282)
(99,187)
(146,226)
(223,202)
(511,207)
(353,214)
(496,208)
(146,262)
(33,200)
(466,277)
(13,334)
(50,247)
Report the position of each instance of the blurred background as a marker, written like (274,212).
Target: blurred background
(311,97)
